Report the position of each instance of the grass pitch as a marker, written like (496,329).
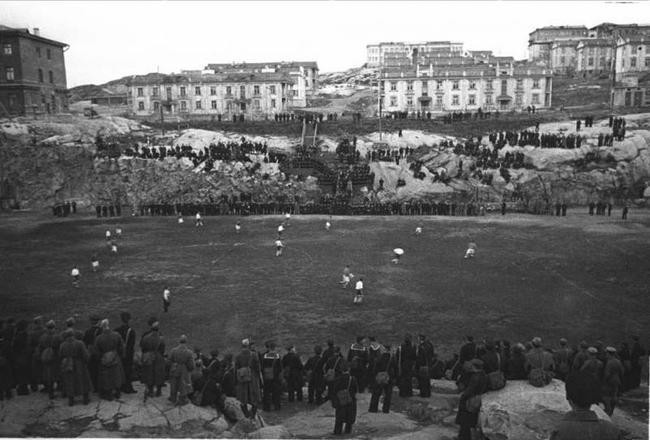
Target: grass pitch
(576,277)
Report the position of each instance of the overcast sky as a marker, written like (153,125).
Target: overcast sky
(109,40)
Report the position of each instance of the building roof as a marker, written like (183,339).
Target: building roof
(587,42)
(155,79)
(413,43)
(24,33)
(263,65)
(471,71)
(634,39)
(566,43)
(555,28)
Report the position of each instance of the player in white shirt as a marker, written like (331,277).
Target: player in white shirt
(113,248)
(237,228)
(180,219)
(471,250)
(280,229)
(328,225)
(108,235)
(75,276)
(278,247)
(287,216)
(118,232)
(347,276)
(166,299)
(94,262)
(199,220)
(418,230)
(358,297)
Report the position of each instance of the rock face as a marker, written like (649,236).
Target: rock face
(521,411)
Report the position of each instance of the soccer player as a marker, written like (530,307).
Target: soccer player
(280,229)
(278,247)
(287,216)
(328,225)
(113,247)
(199,220)
(166,299)
(358,297)
(118,232)
(75,276)
(397,253)
(237,227)
(471,250)
(108,235)
(94,262)
(418,230)
(347,276)
(180,219)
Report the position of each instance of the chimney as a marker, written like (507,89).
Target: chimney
(37,32)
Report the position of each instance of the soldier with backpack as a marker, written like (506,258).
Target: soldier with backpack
(344,400)
(153,362)
(384,371)
(539,364)
(246,364)
(423,364)
(562,358)
(89,339)
(358,361)
(272,376)
(314,376)
(48,349)
(74,372)
(332,369)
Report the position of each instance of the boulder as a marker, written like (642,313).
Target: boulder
(521,411)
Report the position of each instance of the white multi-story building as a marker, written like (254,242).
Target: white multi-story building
(541,40)
(594,56)
(303,73)
(465,88)
(632,54)
(563,55)
(377,53)
(254,95)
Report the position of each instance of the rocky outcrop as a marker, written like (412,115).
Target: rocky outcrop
(521,411)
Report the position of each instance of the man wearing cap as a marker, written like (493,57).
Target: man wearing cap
(314,373)
(152,345)
(48,349)
(127,334)
(246,367)
(344,400)
(540,359)
(74,371)
(384,373)
(562,358)
(477,384)
(423,363)
(292,367)
(593,365)
(69,324)
(612,380)
(272,375)
(182,363)
(110,350)
(581,423)
(580,357)
(89,339)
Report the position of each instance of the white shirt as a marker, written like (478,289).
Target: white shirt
(118,231)
(327,225)
(108,234)
(198,216)
(278,243)
(75,272)
(280,228)
(287,215)
(359,285)
(418,230)
(166,294)
(237,227)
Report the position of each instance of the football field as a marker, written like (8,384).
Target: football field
(578,277)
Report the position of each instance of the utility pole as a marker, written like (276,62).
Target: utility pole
(162,119)
(379,101)
(613,71)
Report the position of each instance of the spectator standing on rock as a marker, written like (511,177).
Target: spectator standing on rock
(384,372)
(89,339)
(538,359)
(272,374)
(344,400)
(406,358)
(292,368)
(74,371)
(593,365)
(424,361)
(48,351)
(314,375)
(182,363)
(358,362)
(516,366)
(581,423)
(110,350)
(612,380)
(127,334)
(562,358)
(246,365)
(153,362)
(470,400)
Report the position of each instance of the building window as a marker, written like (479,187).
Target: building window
(49,54)
(38,51)
(472,100)
(256,104)
(6,49)
(488,99)
(409,85)
(504,86)
(51,77)
(409,101)
(197,91)
(647,62)
(590,61)
(518,100)
(562,60)
(228,90)
(228,106)
(197,105)
(9,73)
(272,90)
(393,101)
(183,105)
(213,104)
(40,75)
(439,101)
(140,105)
(535,84)
(140,91)
(454,100)
(472,85)
(272,102)
(183,91)
(455,85)
(602,61)
(633,62)
(242,91)
(535,99)
(393,86)
(489,84)
(156,106)
(256,90)
(12,100)
(155,91)
(213,91)
(168,91)
(520,83)
(438,85)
